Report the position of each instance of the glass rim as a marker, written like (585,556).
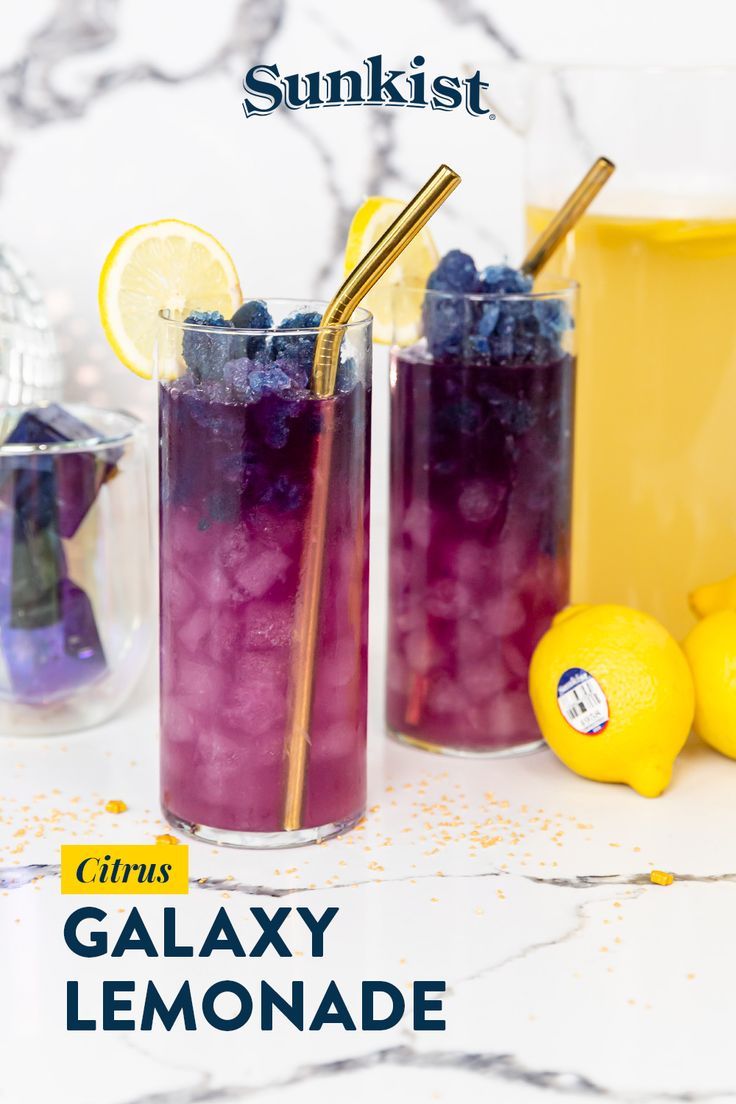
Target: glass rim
(564,288)
(98,442)
(359,318)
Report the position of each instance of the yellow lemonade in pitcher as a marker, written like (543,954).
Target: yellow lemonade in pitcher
(655,447)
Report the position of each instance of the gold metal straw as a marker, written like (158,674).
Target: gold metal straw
(324,374)
(571,211)
(383,254)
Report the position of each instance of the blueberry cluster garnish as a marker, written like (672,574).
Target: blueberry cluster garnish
(514,328)
(247,368)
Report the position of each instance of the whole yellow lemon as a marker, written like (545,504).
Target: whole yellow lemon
(711,651)
(613,695)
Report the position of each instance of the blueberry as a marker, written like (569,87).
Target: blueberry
(503,280)
(253,315)
(299,348)
(206,353)
(455,272)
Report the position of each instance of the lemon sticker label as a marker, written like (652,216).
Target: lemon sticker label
(582,701)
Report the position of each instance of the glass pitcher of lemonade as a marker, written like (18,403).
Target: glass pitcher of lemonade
(655,466)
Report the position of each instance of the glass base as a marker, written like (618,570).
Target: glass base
(472,752)
(261,841)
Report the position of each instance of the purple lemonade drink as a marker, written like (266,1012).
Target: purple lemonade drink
(239,431)
(481,451)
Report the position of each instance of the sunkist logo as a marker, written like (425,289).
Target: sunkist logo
(371,85)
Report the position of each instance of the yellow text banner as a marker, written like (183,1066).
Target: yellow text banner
(124,868)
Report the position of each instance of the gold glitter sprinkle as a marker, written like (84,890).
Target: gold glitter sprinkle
(116,806)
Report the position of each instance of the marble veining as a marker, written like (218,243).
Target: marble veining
(477,14)
(29,90)
(17,877)
(493,1068)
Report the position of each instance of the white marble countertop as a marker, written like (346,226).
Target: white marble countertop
(524,887)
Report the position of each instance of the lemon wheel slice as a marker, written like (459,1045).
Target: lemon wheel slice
(393,319)
(157,266)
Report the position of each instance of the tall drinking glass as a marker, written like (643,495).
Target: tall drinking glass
(654,503)
(481,454)
(238,445)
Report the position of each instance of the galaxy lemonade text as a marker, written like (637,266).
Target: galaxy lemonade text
(370,85)
(122,1005)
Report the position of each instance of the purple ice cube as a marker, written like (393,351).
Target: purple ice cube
(38,566)
(45,664)
(299,347)
(205,351)
(56,490)
(32,563)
